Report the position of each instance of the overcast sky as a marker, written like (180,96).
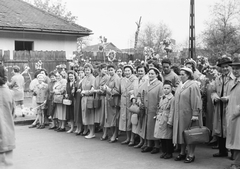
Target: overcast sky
(115,19)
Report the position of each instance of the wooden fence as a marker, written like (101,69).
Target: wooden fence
(50,59)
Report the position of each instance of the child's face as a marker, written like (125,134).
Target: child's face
(167,89)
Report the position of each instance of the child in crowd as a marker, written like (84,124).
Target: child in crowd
(163,127)
(40,91)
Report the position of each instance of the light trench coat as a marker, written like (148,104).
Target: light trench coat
(112,92)
(187,102)
(88,115)
(162,131)
(7,131)
(128,91)
(219,126)
(233,125)
(99,113)
(153,93)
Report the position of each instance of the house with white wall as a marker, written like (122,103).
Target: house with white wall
(25,27)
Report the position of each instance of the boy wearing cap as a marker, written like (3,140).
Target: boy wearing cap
(163,125)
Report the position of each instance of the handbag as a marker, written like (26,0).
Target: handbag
(196,135)
(90,103)
(67,102)
(111,101)
(57,98)
(134,108)
(97,102)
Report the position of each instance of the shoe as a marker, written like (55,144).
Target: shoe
(61,130)
(138,146)
(189,159)
(220,155)
(85,134)
(155,150)
(103,138)
(131,143)
(125,142)
(113,141)
(51,128)
(32,126)
(143,146)
(38,127)
(79,133)
(42,127)
(57,128)
(215,147)
(90,136)
(69,131)
(147,149)
(168,156)
(180,157)
(163,155)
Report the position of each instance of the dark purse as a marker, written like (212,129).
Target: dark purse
(111,101)
(97,101)
(196,134)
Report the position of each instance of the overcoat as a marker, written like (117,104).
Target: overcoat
(128,86)
(162,131)
(187,102)
(88,115)
(7,132)
(233,125)
(153,93)
(70,88)
(17,85)
(50,104)
(112,92)
(78,103)
(139,129)
(219,124)
(99,113)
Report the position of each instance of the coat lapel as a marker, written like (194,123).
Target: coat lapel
(129,81)
(189,83)
(153,85)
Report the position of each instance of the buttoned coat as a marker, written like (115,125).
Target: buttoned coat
(162,131)
(88,115)
(99,113)
(112,92)
(153,93)
(219,124)
(187,102)
(233,125)
(128,89)
(7,131)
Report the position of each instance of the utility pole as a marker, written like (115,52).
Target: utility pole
(192,52)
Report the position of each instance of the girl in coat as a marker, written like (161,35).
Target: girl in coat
(186,108)
(153,93)
(162,129)
(112,89)
(128,91)
(88,115)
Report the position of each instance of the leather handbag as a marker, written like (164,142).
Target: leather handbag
(196,135)
(67,102)
(57,98)
(97,101)
(90,103)
(111,101)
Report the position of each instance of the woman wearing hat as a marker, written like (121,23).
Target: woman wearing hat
(88,115)
(112,89)
(152,94)
(187,108)
(191,64)
(100,81)
(128,91)
(221,89)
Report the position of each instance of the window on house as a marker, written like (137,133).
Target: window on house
(23,45)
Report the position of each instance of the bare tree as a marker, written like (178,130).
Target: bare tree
(152,36)
(222,35)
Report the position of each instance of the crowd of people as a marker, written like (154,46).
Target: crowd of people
(153,103)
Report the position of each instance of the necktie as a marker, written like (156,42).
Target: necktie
(222,86)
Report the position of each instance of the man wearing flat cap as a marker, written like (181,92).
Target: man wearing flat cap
(17,85)
(233,117)
(221,90)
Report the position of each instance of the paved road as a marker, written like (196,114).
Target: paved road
(47,149)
